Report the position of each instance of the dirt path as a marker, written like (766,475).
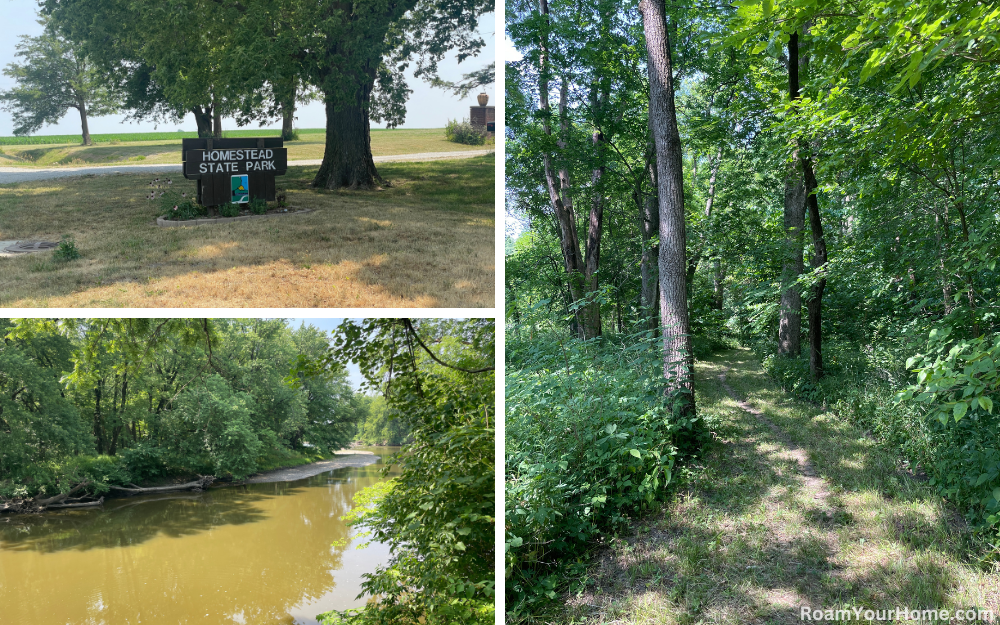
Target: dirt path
(788,508)
(344,459)
(22,174)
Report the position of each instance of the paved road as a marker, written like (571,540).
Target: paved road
(21,174)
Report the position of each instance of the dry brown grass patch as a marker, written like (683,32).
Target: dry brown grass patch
(356,249)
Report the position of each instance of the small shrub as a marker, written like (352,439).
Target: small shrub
(281,198)
(230,210)
(67,250)
(464,132)
(177,206)
(257,206)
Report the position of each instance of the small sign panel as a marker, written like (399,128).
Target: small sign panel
(241,189)
(200,163)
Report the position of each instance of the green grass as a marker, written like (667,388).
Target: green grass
(310,145)
(425,241)
(125,137)
(752,537)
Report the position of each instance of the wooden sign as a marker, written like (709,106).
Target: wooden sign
(198,163)
(222,165)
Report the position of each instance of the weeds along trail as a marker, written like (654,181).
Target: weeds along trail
(789,506)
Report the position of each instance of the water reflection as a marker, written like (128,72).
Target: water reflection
(257,554)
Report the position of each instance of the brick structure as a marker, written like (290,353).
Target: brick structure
(483,116)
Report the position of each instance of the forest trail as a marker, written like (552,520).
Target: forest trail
(789,506)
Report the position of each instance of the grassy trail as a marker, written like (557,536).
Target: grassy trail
(789,506)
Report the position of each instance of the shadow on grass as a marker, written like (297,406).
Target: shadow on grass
(418,242)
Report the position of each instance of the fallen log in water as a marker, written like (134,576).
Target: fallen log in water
(197,485)
(84,504)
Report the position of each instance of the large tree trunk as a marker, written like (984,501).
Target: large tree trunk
(203,118)
(790,310)
(288,115)
(85,128)
(677,356)
(814,305)
(216,121)
(347,159)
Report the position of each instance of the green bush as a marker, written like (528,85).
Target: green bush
(464,132)
(230,210)
(178,207)
(591,441)
(67,250)
(144,461)
(257,206)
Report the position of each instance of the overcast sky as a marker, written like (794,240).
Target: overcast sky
(428,107)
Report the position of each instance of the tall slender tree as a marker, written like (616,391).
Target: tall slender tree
(678,360)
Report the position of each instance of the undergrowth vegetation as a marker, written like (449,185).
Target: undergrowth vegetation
(591,442)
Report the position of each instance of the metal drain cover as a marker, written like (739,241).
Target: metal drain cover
(27,247)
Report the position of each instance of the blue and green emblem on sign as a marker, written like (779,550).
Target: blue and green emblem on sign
(241,189)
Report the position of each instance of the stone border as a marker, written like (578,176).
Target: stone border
(171,223)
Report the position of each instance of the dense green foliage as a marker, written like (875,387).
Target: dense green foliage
(125,400)
(438,515)
(872,119)
(590,442)
(379,426)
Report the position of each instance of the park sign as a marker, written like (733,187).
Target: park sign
(234,170)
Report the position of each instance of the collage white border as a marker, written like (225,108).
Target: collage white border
(496,313)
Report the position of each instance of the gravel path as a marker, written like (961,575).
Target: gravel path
(22,174)
(344,459)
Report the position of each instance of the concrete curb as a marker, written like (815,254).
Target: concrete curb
(170,223)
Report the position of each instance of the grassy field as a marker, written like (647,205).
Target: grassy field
(790,506)
(425,241)
(168,148)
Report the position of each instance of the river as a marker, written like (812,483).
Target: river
(261,554)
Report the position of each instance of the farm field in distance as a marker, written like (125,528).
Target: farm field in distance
(164,147)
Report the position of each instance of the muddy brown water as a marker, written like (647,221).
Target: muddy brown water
(260,554)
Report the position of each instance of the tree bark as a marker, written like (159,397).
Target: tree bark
(650,258)
(216,121)
(203,118)
(790,309)
(675,324)
(347,159)
(814,305)
(287,117)
(581,272)
(85,128)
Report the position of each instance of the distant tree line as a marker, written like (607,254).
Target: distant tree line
(125,400)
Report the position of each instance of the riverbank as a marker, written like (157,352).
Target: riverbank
(343,459)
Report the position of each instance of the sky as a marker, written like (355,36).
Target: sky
(428,107)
